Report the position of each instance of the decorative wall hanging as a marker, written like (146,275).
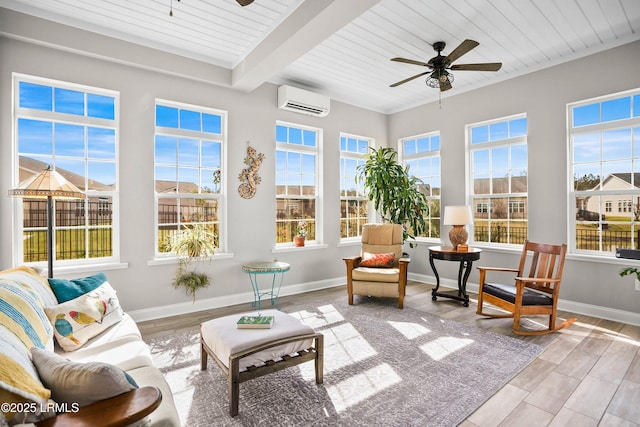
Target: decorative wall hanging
(249,175)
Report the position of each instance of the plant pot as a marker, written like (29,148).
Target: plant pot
(298,240)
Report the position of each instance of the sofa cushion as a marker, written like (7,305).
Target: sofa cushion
(67,290)
(82,318)
(120,345)
(80,383)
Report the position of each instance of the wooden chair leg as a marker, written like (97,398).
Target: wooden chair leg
(319,362)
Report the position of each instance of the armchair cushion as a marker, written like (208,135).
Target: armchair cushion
(384,260)
(371,274)
(80,383)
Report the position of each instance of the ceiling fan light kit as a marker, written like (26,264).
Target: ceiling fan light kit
(438,76)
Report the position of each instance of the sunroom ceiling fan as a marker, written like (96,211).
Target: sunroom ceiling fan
(439,77)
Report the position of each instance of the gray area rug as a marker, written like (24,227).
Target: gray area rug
(383,367)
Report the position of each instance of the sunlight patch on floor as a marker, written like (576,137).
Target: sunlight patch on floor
(362,386)
(444,346)
(410,330)
(343,346)
(326,315)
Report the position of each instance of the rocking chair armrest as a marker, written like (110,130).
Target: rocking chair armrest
(405,260)
(117,411)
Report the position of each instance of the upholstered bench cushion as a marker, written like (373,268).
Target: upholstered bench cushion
(223,337)
(508,293)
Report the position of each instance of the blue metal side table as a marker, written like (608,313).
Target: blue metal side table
(266,267)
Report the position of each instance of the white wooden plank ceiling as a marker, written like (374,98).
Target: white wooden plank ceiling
(341,48)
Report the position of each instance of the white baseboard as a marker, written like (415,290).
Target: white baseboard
(225,301)
(616,315)
(247,297)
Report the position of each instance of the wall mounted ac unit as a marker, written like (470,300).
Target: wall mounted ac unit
(302,101)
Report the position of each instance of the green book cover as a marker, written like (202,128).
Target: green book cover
(255,322)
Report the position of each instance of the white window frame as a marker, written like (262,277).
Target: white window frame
(221,196)
(57,117)
(627,196)
(318,151)
(419,155)
(509,142)
(360,159)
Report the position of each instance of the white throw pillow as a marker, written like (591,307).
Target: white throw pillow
(80,319)
(79,383)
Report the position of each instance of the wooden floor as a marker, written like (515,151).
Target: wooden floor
(588,374)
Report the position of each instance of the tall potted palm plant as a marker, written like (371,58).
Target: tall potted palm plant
(394,192)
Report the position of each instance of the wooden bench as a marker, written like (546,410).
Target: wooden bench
(245,354)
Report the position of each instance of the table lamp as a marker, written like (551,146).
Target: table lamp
(49,185)
(458,217)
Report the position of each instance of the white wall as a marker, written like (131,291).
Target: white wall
(251,223)
(141,75)
(543,96)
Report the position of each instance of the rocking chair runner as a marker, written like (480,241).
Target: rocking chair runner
(535,291)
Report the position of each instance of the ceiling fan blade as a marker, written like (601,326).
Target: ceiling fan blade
(411,61)
(489,66)
(462,48)
(244,2)
(409,79)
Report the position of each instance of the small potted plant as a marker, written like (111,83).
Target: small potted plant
(302,233)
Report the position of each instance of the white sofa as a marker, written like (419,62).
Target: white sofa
(24,295)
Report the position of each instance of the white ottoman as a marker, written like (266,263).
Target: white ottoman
(244,354)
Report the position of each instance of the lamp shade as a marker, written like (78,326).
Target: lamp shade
(47,183)
(457,215)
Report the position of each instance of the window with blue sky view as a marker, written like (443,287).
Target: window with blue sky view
(74,129)
(188,152)
(604,160)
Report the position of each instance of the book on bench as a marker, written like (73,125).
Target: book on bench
(255,322)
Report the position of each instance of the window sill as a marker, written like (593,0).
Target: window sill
(170,260)
(292,248)
(87,268)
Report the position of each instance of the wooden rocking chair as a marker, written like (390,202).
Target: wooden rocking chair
(535,291)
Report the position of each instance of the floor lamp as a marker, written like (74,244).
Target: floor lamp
(49,185)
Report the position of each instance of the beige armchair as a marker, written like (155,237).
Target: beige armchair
(378,281)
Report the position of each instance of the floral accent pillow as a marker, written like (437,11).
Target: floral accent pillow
(377,260)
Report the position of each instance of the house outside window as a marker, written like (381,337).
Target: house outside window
(499,181)
(189,180)
(73,128)
(421,154)
(298,189)
(354,206)
(604,164)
